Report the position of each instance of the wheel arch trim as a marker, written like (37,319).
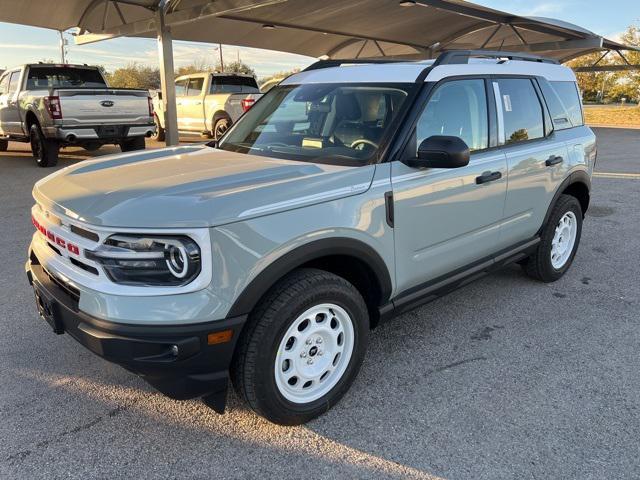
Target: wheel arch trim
(303,254)
(576,177)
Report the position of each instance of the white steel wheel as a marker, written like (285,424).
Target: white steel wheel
(314,353)
(564,240)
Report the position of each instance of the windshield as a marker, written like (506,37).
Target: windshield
(64,77)
(333,123)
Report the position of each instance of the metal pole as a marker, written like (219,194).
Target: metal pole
(167,79)
(221,63)
(62,56)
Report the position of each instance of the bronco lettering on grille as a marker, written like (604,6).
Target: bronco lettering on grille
(59,241)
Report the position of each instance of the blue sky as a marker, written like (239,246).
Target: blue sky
(19,44)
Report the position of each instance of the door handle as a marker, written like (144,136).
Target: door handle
(198,103)
(553,160)
(488,177)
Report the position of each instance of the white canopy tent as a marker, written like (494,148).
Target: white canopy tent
(335,29)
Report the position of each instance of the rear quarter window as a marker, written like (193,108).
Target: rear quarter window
(568,94)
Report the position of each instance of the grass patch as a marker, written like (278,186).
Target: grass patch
(622,116)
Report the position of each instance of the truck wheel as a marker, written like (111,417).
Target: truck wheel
(220,127)
(160,135)
(302,348)
(44,150)
(4,144)
(558,243)
(135,143)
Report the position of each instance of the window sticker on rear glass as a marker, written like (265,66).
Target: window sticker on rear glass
(507,103)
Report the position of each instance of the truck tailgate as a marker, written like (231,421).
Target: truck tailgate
(104,106)
(233,105)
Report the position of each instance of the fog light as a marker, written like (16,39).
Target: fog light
(175,350)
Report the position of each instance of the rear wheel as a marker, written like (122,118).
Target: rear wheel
(220,127)
(135,143)
(303,347)
(160,134)
(558,243)
(4,144)
(45,151)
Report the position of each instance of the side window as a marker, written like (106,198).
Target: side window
(568,94)
(13,82)
(522,110)
(457,108)
(4,84)
(559,115)
(195,86)
(181,88)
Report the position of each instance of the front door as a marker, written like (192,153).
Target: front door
(446,219)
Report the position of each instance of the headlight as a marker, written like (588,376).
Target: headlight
(152,260)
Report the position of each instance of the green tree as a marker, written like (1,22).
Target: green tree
(135,75)
(202,65)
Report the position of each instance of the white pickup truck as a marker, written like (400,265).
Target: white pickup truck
(209,103)
(53,106)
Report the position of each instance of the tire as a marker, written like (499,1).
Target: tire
(92,147)
(548,264)
(311,296)
(160,134)
(4,145)
(136,143)
(220,127)
(45,151)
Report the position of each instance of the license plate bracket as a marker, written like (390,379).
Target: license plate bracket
(47,309)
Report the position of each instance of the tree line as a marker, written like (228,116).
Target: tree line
(611,86)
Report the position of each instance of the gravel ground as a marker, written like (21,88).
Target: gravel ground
(505,378)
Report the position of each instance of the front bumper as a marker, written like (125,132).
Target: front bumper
(176,360)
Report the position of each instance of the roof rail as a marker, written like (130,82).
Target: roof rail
(456,57)
(349,61)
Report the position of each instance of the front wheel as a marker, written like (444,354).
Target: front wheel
(45,151)
(303,347)
(135,143)
(558,243)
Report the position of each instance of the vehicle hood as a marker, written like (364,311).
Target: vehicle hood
(192,186)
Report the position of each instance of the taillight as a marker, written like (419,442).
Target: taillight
(52,103)
(150,106)
(247,103)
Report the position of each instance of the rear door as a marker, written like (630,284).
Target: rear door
(536,156)
(190,105)
(446,219)
(9,111)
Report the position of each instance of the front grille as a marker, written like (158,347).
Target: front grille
(85,233)
(84,266)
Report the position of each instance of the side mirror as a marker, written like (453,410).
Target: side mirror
(440,151)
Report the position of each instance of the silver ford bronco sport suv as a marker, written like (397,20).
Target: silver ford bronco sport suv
(351,192)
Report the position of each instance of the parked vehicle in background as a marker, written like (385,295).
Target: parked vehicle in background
(54,106)
(209,103)
(269,84)
(347,195)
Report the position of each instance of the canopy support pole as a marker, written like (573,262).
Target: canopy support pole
(167,83)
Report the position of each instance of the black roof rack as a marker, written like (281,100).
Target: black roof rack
(457,57)
(337,63)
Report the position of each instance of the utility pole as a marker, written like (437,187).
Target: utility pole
(63,44)
(221,62)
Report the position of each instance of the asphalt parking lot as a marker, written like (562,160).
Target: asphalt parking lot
(505,378)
